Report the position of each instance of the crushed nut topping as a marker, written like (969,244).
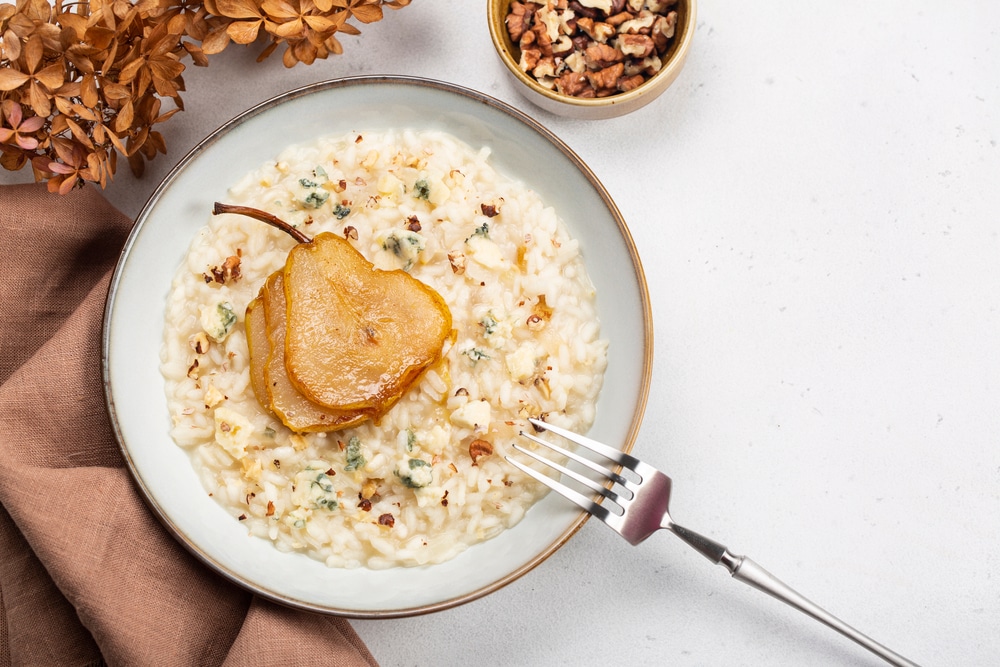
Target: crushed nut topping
(591,48)
(387,520)
(228,272)
(457,260)
(479,448)
(199,342)
(490,209)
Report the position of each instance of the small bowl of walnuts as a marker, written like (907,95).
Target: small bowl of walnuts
(592,59)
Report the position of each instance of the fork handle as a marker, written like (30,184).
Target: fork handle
(750,573)
(746,570)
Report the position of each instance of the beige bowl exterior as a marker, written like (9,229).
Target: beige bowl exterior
(605,107)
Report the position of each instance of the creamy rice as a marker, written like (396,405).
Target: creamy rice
(405,491)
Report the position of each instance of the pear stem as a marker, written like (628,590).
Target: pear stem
(263,216)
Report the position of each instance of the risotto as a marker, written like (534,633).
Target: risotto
(429,479)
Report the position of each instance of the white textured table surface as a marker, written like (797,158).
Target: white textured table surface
(816,204)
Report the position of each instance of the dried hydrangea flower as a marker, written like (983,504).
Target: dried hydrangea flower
(84,82)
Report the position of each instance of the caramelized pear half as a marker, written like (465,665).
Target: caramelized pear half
(357,337)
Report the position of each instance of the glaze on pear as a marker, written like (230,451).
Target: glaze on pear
(356,336)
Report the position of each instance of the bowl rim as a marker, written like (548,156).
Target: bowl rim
(108,375)
(497,11)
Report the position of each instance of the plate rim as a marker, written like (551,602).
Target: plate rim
(203,145)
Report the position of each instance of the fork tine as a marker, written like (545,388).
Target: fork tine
(581,500)
(585,481)
(600,470)
(621,458)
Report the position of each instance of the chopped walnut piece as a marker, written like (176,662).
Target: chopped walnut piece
(387,520)
(663,31)
(518,20)
(413,224)
(579,9)
(643,23)
(637,46)
(229,271)
(602,55)
(562,46)
(479,448)
(546,68)
(599,31)
(607,78)
(543,41)
(572,83)
(618,18)
(199,342)
(627,83)
(530,58)
(350,233)
(458,261)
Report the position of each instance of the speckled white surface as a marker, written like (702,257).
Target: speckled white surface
(816,203)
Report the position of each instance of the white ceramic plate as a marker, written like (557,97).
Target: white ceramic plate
(133,331)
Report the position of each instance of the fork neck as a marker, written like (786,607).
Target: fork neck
(710,549)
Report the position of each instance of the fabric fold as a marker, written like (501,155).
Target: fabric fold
(87,574)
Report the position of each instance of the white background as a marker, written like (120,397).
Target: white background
(816,204)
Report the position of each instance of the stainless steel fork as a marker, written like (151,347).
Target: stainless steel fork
(640,507)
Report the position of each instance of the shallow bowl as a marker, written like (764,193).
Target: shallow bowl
(181,205)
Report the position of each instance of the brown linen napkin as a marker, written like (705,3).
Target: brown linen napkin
(87,575)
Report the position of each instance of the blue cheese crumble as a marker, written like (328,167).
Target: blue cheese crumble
(218,320)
